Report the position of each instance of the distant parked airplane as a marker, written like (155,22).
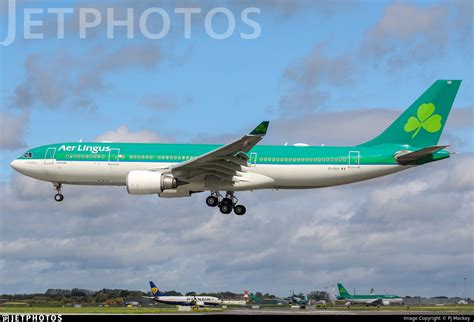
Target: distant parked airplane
(367,299)
(179,170)
(182,300)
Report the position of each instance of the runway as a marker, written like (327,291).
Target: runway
(336,312)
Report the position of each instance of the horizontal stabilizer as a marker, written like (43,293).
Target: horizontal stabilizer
(407,157)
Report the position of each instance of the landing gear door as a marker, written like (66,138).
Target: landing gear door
(114,156)
(49,156)
(253,159)
(354,159)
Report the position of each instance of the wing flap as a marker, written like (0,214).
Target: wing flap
(224,162)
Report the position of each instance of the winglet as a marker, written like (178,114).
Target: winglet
(261,129)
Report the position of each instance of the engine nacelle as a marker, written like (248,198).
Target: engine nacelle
(144,182)
(385,302)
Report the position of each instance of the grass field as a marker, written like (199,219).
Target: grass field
(443,308)
(463,309)
(96,310)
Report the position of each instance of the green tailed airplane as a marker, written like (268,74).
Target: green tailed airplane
(180,170)
(367,299)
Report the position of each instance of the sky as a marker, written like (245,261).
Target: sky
(322,72)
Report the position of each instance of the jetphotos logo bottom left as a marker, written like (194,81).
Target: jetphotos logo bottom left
(32,318)
(151,23)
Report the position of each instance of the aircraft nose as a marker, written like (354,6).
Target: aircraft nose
(15,165)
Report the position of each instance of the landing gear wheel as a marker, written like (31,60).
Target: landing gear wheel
(227,201)
(239,210)
(212,201)
(58,196)
(225,208)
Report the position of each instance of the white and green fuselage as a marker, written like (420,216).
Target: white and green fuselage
(277,167)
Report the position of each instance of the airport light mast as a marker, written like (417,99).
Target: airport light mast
(465,288)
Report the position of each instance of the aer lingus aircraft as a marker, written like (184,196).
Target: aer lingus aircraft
(367,299)
(179,170)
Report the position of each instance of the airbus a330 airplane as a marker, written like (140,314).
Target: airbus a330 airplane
(179,170)
(197,300)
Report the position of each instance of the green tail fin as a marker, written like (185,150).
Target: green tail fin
(342,290)
(422,123)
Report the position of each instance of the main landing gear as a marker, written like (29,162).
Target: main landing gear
(227,204)
(58,196)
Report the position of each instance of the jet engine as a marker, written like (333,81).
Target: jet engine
(144,182)
(385,302)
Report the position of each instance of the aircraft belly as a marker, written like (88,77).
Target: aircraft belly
(318,176)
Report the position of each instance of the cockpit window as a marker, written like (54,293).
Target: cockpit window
(28,155)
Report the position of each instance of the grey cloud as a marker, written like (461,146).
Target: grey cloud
(386,233)
(65,78)
(405,35)
(422,31)
(288,9)
(318,67)
(461,118)
(3,7)
(464,22)
(302,101)
(309,78)
(12,130)
(163,102)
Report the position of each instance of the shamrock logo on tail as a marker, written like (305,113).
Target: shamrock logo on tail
(425,119)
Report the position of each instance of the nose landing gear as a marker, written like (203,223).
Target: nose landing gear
(227,204)
(58,196)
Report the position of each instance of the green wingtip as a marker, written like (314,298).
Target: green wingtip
(261,129)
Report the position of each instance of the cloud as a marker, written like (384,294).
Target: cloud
(12,130)
(318,67)
(51,81)
(288,9)
(405,35)
(414,226)
(160,102)
(412,34)
(310,77)
(123,134)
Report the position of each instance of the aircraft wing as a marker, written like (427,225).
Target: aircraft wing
(375,301)
(225,162)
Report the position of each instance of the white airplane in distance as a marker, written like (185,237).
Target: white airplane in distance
(180,170)
(197,300)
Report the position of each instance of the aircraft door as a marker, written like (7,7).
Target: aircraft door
(114,155)
(49,156)
(354,159)
(253,159)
